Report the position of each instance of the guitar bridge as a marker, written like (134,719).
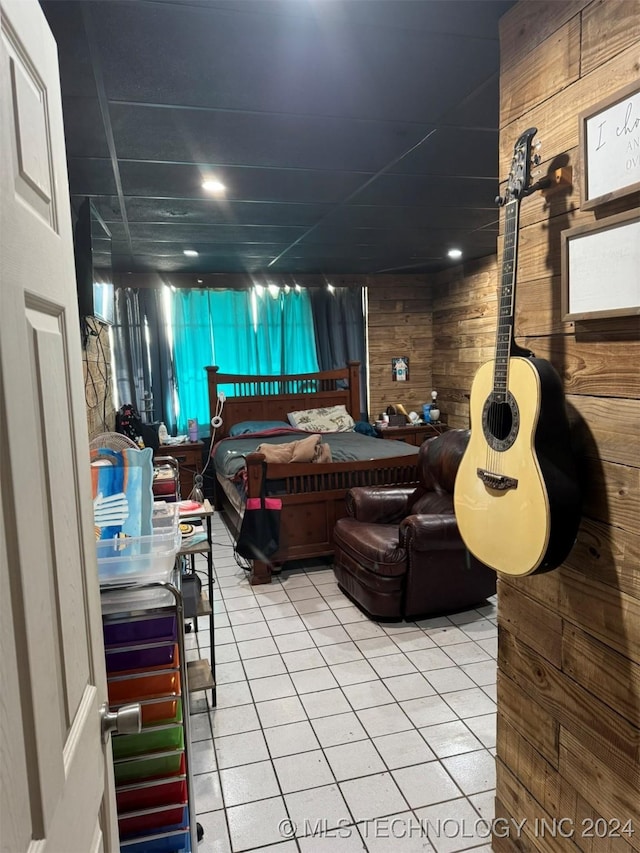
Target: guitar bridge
(496,481)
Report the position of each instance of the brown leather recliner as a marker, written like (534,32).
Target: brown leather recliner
(398,552)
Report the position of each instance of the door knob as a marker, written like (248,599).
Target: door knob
(127,720)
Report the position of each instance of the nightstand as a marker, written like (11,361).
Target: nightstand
(412,434)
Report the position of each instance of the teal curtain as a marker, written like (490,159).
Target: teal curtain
(192,350)
(242,332)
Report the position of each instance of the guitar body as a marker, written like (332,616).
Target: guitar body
(516,496)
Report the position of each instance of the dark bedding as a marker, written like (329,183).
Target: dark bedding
(228,454)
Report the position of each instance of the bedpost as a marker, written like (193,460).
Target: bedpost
(212,382)
(354,389)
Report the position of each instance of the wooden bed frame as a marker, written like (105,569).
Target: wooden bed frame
(314,496)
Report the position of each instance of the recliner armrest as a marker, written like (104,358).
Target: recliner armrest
(430,533)
(380,504)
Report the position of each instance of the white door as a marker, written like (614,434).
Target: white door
(56,777)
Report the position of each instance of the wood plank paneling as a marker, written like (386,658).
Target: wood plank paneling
(602,731)
(599,669)
(536,625)
(532,722)
(598,784)
(542,73)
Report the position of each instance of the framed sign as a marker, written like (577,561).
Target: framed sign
(610,147)
(400,368)
(601,268)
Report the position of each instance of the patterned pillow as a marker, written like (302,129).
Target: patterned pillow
(329,419)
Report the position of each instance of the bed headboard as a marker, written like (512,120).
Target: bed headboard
(271,398)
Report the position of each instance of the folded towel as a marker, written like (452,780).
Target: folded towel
(309,449)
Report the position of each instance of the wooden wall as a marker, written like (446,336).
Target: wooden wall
(569,641)
(464,332)
(96,364)
(400,324)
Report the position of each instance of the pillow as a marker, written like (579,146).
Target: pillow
(329,419)
(246,427)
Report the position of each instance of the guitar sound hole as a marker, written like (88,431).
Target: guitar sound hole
(500,422)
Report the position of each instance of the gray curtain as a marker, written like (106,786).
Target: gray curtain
(339,326)
(143,367)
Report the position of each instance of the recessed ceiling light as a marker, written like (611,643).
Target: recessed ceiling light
(199,281)
(455,253)
(213,186)
(190,253)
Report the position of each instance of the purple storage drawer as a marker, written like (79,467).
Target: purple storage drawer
(142,657)
(157,629)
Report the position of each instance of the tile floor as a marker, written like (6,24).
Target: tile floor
(334,732)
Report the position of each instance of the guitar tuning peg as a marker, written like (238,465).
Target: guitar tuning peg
(538,145)
(500,200)
(537,159)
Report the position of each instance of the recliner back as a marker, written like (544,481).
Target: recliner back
(438,463)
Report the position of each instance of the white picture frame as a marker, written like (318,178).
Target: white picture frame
(610,148)
(601,268)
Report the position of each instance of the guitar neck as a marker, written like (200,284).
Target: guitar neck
(506,301)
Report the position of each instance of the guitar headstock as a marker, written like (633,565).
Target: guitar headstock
(518,182)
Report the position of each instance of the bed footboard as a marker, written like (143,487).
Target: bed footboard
(313,499)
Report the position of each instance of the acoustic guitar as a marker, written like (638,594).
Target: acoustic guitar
(516,496)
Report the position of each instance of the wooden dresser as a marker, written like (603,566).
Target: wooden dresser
(189,458)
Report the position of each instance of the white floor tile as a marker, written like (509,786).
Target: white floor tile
(253,826)
(484,804)
(328,635)
(320,620)
(216,835)
(413,641)
(341,840)
(272,687)
(384,720)
(207,792)
(245,748)
(257,648)
(367,694)
(251,632)
(468,652)
(278,712)
(317,810)
(235,693)
(390,665)
(286,625)
(403,749)
(424,784)
(295,773)
(427,711)
(454,826)
(291,739)
(294,642)
(303,659)
(373,796)
(312,680)
(399,832)
(483,673)
(364,630)
(411,686)
(353,672)
(376,646)
(262,667)
(248,783)
(203,757)
(474,772)
(339,728)
(229,721)
(470,703)
(341,653)
(451,738)
(448,680)
(352,760)
(325,703)
(427,659)
(484,728)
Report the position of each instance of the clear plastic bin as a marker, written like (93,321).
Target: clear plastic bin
(142,559)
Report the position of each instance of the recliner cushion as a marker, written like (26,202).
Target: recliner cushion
(375,547)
